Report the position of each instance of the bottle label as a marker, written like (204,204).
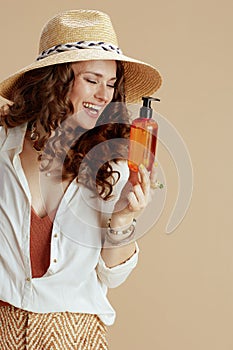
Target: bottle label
(142,147)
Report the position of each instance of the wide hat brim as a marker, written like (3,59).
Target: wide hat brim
(141,79)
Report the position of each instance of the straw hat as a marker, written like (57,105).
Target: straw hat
(82,35)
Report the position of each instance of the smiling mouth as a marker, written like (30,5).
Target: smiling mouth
(93,109)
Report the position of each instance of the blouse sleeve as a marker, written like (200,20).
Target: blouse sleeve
(114,276)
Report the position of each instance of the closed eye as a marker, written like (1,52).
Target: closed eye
(91,81)
(111,85)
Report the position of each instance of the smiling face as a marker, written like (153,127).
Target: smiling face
(92,91)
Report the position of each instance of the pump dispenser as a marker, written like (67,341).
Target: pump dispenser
(143,138)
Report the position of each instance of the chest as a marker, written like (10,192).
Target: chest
(46,189)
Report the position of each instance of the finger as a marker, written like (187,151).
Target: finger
(134,204)
(145,179)
(139,194)
(153,174)
(143,197)
(122,202)
(138,200)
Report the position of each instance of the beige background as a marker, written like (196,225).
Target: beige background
(181,294)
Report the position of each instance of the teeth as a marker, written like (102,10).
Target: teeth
(91,106)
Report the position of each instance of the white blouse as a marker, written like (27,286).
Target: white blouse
(77,278)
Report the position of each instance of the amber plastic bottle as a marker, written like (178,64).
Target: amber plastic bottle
(143,139)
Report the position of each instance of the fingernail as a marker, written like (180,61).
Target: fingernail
(142,167)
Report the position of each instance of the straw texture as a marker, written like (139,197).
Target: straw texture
(78,25)
(22,330)
(88,25)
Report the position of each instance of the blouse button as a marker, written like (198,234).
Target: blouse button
(28,279)
(54,260)
(55,235)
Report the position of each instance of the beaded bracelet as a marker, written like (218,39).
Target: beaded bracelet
(122,236)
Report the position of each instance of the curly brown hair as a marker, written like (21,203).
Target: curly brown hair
(42,96)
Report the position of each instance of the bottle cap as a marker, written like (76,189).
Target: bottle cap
(146,111)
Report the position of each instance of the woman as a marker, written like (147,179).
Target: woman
(67,211)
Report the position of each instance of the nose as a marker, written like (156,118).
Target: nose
(102,93)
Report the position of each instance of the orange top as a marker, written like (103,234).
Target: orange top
(40,239)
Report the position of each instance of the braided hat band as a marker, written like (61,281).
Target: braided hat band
(79,45)
(83,35)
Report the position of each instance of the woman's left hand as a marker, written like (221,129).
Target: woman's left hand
(134,198)
(140,195)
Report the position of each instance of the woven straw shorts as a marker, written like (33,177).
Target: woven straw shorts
(23,330)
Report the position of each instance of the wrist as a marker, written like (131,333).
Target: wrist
(120,236)
(119,221)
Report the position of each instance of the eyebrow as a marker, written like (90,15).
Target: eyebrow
(98,75)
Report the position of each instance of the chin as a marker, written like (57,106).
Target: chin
(87,126)
(83,121)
